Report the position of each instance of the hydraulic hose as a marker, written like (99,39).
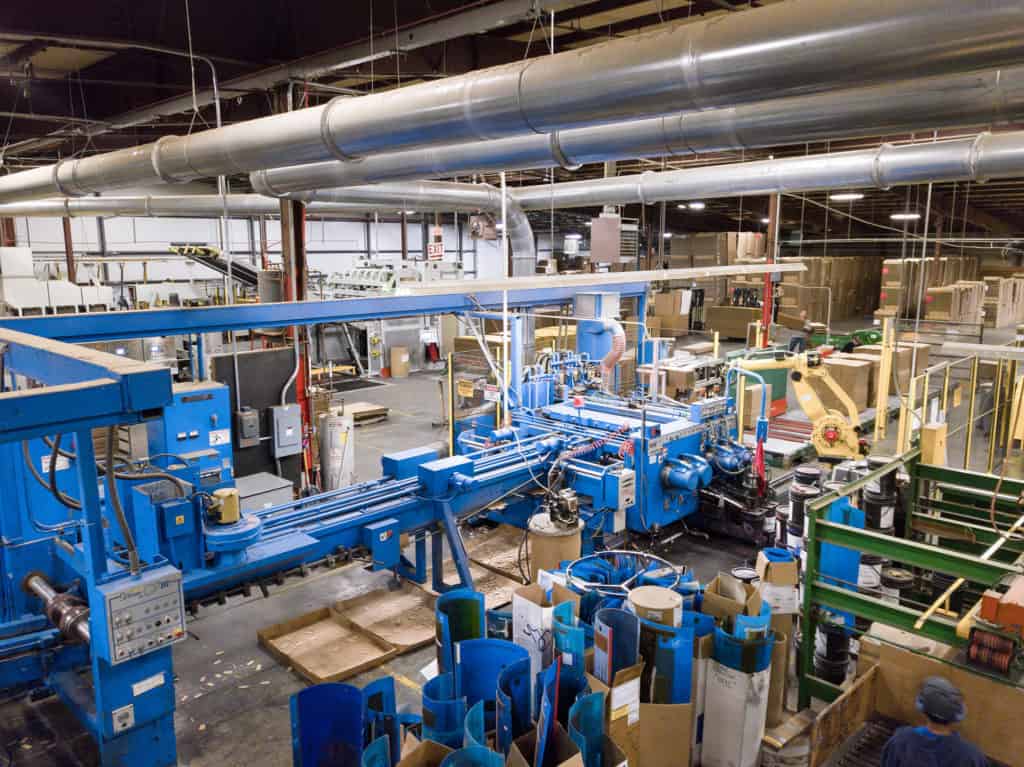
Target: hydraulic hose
(115,503)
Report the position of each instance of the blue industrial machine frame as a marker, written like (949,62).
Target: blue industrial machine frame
(68,569)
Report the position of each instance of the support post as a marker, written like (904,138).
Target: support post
(771,246)
(69,250)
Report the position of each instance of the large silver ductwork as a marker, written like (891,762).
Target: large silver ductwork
(169,206)
(980,158)
(982,99)
(787,49)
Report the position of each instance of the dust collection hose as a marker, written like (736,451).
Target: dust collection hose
(614,354)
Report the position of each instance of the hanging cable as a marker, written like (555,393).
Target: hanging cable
(115,504)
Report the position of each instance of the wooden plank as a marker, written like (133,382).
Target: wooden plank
(323,646)
(402,618)
(844,717)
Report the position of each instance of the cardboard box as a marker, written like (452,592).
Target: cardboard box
(778,584)
(560,750)
(875,363)
(890,688)
(427,753)
(532,616)
(698,348)
(649,734)
(734,716)
(399,362)
(900,361)
(753,394)
(731,321)
(727,596)
(852,377)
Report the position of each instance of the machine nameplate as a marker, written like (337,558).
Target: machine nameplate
(150,683)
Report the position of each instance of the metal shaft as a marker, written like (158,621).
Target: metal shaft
(66,612)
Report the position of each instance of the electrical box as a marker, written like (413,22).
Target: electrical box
(196,427)
(287,434)
(597,305)
(247,427)
(383,540)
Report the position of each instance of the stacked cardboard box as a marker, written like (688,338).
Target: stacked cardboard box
(853,377)
(901,285)
(731,321)
(872,372)
(668,310)
(714,249)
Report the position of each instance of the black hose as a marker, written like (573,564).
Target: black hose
(102,467)
(115,503)
(71,503)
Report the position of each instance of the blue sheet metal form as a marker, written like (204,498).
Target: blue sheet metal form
(444,711)
(586,728)
(513,716)
(458,615)
(474,731)
(474,756)
(340,724)
(616,642)
(480,663)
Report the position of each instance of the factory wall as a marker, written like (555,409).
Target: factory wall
(331,245)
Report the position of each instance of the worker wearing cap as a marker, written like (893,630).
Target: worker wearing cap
(935,744)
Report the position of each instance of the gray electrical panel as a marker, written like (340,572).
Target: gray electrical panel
(287,433)
(247,427)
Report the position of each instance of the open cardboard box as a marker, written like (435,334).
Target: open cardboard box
(532,618)
(726,597)
(890,688)
(560,750)
(425,753)
(649,734)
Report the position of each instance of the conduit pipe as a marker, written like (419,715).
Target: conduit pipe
(992,97)
(444,196)
(983,157)
(793,48)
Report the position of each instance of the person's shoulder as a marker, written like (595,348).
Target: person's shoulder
(974,754)
(903,732)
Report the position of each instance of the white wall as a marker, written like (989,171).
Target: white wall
(331,245)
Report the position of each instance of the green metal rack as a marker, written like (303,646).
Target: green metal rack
(968,532)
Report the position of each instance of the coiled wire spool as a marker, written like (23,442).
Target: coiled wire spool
(992,650)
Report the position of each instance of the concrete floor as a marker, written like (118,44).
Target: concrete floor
(233,698)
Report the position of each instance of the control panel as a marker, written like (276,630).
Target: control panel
(626,499)
(143,616)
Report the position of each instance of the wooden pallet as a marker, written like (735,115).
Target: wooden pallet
(366,413)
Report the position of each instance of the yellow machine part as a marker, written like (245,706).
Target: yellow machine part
(226,506)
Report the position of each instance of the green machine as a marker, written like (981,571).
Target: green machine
(845,342)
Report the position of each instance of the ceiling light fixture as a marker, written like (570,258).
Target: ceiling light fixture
(905,216)
(574,236)
(846,196)
(696,205)
(766,220)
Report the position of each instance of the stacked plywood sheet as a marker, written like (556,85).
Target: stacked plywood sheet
(960,302)
(1004,301)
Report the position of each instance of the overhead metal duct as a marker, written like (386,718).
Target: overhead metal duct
(792,48)
(442,195)
(987,98)
(980,158)
(159,206)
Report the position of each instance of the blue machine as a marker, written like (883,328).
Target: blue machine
(102,558)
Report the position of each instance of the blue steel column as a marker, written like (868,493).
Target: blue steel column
(201,357)
(94,561)
(515,328)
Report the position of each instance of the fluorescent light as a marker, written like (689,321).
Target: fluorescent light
(407,212)
(589,224)
(766,220)
(905,216)
(667,235)
(574,236)
(696,205)
(846,196)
